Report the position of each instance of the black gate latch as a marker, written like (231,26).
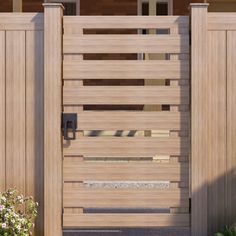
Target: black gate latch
(69,123)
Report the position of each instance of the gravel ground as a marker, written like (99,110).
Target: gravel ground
(131,232)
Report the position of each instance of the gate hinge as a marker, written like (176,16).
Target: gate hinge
(69,124)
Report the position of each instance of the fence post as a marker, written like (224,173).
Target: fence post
(53,15)
(199,119)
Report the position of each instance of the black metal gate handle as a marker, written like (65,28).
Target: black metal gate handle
(69,121)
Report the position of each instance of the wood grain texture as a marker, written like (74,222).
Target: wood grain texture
(123,198)
(2,111)
(75,170)
(132,120)
(221,21)
(216,130)
(127,146)
(125,44)
(199,119)
(126,69)
(231,127)
(75,95)
(115,95)
(34,120)
(15,110)
(19,21)
(52,120)
(125,220)
(126,22)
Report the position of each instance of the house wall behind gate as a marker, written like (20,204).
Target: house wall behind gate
(103,7)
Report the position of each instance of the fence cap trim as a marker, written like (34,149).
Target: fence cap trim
(53,5)
(199,4)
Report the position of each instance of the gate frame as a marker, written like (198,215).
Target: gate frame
(199,118)
(53,107)
(53,16)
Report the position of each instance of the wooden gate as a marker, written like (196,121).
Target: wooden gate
(127,167)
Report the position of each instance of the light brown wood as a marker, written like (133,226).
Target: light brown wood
(52,120)
(123,198)
(199,120)
(75,170)
(125,220)
(17,5)
(216,130)
(126,22)
(34,120)
(231,126)
(19,21)
(2,111)
(75,95)
(125,95)
(125,44)
(127,146)
(15,110)
(132,120)
(221,21)
(126,69)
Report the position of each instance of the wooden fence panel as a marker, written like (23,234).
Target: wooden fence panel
(126,69)
(34,121)
(213,114)
(125,22)
(216,125)
(133,120)
(115,95)
(21,104)
(2,111)
(98,153)
(125,220)
(15,110)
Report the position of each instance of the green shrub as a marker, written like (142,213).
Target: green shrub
(228,231)
(17,214)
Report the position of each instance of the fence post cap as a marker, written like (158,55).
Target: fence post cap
(199,5)
(53,5)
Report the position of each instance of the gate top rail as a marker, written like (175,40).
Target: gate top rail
(126,22)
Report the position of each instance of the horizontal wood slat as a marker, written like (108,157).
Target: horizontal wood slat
(169,95)
(75,170)
(126,69)
(19,21)
(123,198)
(125,220)
(127,146)
(131,120)
(125,22)
(126,44)
(221,21)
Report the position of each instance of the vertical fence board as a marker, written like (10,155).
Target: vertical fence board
(199,119)
(34,121)
(2,112)
(15,110)
(231,127)
(52,119)
(216,130)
